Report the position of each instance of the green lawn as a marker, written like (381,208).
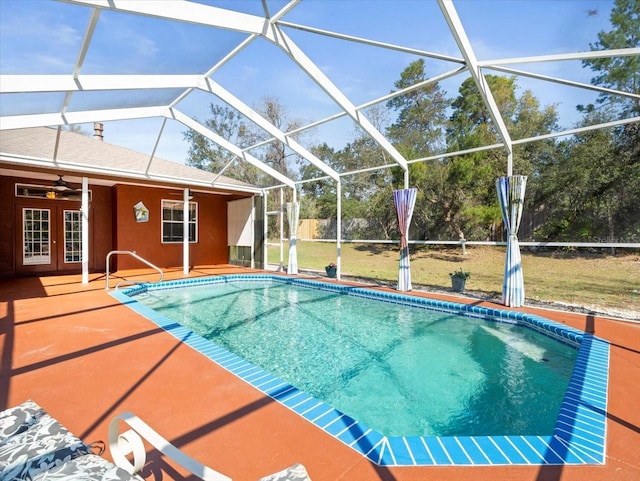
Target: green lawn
(580,278)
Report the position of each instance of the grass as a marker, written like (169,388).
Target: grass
(586,279)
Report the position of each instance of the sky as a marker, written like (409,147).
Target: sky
(44,37)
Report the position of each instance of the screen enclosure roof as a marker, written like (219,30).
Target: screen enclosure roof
(150,70)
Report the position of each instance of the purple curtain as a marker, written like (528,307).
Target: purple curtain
(405,201)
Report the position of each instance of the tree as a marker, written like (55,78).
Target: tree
(275,153)
(363,193)
(619,73)
(419,128)
(232,126)
(207,155)
(622,73)
(463,194)
(76,129)
(319,196)
(575,192)
(593,192)
(627,152)
(417,132)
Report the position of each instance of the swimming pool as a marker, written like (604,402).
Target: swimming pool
(576,436)
(401,371)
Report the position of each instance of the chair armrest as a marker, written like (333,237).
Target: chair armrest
(130,442)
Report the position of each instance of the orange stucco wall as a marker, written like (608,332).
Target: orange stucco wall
(146,237)
(100,218)
(7,225)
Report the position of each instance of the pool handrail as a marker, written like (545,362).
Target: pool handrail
(132,254)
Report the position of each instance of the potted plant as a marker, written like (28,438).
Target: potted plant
(458,279)
(331,270)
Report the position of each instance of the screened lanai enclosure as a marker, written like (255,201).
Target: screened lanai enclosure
(414,121)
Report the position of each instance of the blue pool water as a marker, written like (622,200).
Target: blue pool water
(403,371)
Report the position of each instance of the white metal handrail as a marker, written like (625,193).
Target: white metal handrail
(132,254)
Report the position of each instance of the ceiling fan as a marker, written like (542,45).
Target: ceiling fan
(62,186)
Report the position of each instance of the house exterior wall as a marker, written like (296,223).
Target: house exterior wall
(145,238)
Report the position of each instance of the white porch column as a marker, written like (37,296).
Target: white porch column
(253,232)
(339,230)
(185,231)
(85,230)
(265,228)
(281,209)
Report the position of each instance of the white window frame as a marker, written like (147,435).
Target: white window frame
(64,234)
(179,206)
(42,259)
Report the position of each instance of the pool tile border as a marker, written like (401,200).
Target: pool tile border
(579,435)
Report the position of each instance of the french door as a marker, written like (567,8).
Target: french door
(49,239)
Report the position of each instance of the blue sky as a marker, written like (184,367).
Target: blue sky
(44,36)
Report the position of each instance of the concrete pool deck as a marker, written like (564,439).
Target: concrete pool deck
(85,357)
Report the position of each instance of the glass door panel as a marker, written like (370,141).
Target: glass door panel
(72,236)
(36,236)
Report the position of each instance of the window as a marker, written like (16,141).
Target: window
(172,215)
(72,236)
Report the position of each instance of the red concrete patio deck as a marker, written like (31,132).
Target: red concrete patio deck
(85,357)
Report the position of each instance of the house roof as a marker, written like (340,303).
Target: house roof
(65,151)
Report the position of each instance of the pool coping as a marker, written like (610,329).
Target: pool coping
(579,435)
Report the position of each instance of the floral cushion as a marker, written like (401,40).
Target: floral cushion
(297,472)
(43,445)
(18,419)
(85,468)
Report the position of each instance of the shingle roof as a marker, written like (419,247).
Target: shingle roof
(79,152)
